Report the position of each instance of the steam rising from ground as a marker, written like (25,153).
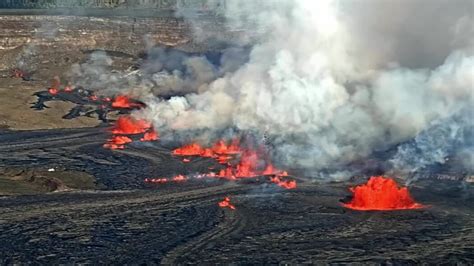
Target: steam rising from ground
(328,82)
(328,87)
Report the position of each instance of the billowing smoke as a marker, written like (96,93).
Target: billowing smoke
(329,85)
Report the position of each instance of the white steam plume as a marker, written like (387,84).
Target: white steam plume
(321,90)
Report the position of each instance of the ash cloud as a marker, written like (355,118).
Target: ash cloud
(333,81)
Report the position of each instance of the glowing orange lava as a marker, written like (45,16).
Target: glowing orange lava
(239,162)
(193,149)
(287,184)
(381,193)
(53,91)
(117,142)
(56,83)
(226,204)
(150,135)
(128,125)
(218,150)
(123,101)
(156,180)
(178,178)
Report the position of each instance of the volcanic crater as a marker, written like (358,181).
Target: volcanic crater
(74,193)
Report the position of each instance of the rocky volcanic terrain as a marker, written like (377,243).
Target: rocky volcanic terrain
(67,199)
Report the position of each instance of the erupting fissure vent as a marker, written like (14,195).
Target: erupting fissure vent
(239,162)
(123,101)
(381,193)
(126,125)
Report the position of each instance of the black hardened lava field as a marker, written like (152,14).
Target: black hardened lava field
(222,132)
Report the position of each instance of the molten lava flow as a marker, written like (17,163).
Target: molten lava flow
(178,178)
(207,153)
(247,163)
(219,150)
(156,180)
(128,125)
(287,184)
(117,142)
(123,101)
(150,136)
(381,194)
(247,166)
(226,204)
(193,149)
(120,140)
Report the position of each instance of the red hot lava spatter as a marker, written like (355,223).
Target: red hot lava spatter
(248,163)
(56,83)
(381,194)
(287,184)
(123,101)
(127,125)
(226,204)
(117,142)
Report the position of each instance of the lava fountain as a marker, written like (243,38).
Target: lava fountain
(381,194)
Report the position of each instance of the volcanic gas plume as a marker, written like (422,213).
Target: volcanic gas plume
(324,83)
(313,85)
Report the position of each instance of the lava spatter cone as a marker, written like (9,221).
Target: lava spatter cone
(381,194)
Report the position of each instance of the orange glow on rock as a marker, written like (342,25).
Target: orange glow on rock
(193,149)
(179,178)
(239,163)
(286,184)
(156,180)
(128,125)
(117,142)
(150,136)
(381,193)
(226,204)
(122,101)
(53,91)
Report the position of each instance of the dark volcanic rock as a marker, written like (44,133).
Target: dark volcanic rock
(182,223)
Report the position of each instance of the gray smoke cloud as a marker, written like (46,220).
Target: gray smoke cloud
(333,81)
